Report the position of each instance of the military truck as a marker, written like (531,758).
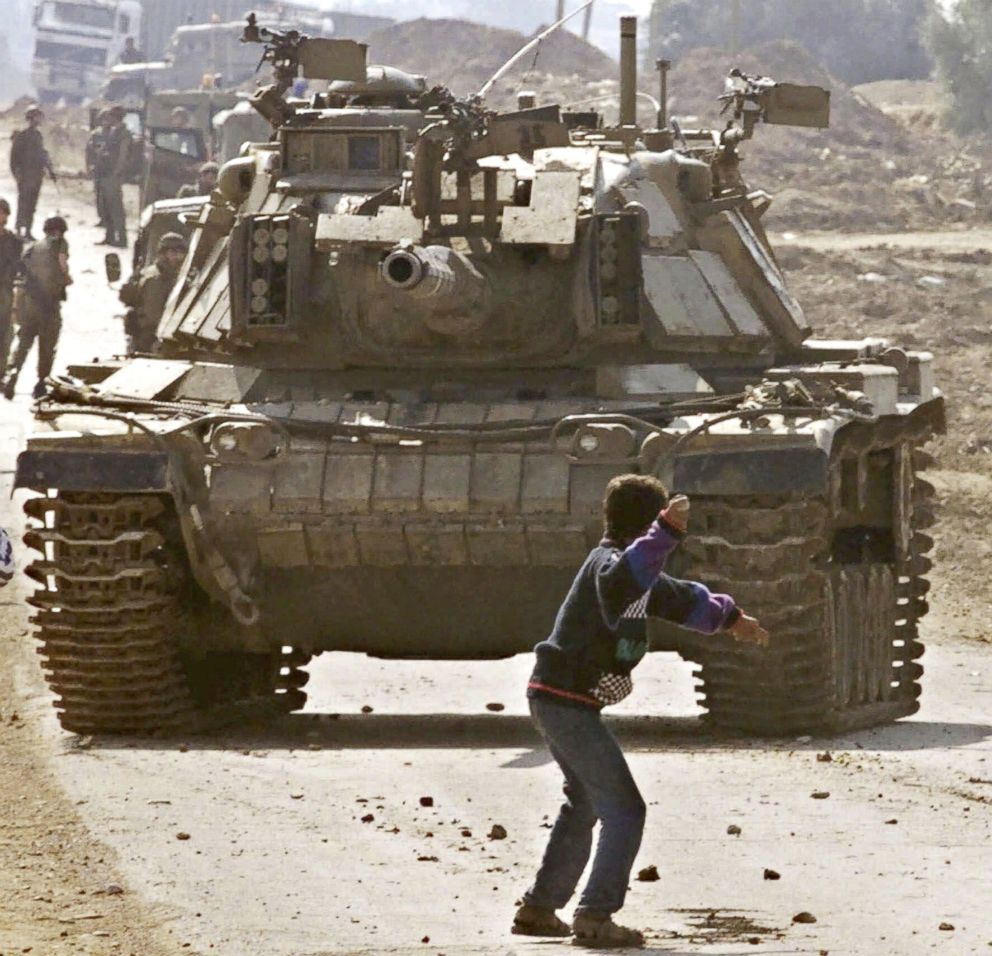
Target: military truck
(393,384)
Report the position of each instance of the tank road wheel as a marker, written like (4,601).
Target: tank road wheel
(840,584)
(107,608)
(117,607)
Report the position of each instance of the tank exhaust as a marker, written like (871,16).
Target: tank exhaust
(628,71)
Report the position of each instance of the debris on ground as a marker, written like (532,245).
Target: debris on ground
(648,874)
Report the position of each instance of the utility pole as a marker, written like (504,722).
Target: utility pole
(559,10)
(735,26)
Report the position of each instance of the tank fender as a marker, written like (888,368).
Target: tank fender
(87,470)
(772,465)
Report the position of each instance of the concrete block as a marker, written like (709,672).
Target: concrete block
(398,481)
(382,547)
(545,484)
(497,547)
(496,482)
(446,483)
(241,489)
(284,547)
(348,483)
(437,546)
(298,483)
(333,547)
(557,547)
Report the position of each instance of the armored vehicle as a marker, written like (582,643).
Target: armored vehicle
(408,348)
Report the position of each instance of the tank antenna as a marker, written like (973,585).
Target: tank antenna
(527,47)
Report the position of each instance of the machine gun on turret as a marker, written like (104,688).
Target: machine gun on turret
(751,99)
(294,54)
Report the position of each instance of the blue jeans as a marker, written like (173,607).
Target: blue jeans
(598,786)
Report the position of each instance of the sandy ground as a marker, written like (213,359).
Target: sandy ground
(280,862)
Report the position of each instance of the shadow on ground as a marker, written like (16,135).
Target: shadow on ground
(236,730)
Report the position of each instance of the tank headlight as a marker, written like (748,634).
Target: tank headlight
(604,441)
(226,441)
(244,441)
(588,443)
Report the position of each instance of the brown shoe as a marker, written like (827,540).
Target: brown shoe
(539,921)
(598,931)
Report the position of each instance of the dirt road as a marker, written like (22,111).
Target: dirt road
(308,837)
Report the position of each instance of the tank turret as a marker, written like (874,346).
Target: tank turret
(412,341)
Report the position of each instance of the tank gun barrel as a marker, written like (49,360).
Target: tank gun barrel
(432,272)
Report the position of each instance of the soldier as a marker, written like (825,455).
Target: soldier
(29,161)
(206,180)
(10,266)
(95,162)
(46,278)
(116,157)
(145,294)
(131,53)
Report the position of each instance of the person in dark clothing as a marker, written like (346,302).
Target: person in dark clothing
(131,53)
(114,162)
(585,664)
(46,278)
(147,292)
(206,182)
(10,266)
(95,161)
(29,161)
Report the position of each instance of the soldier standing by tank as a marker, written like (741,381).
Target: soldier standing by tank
(116,159)
(206,180)
(146,293)
(131,53)
(10,266)
(95,162)
(46,278)
(29,161)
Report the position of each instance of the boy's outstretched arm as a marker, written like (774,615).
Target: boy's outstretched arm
(695,606)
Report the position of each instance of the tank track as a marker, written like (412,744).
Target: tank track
(844,646)
(105,613)
(112,603)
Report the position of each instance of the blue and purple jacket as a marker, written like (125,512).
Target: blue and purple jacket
(588,644)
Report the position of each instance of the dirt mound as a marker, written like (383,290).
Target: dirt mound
(463,56)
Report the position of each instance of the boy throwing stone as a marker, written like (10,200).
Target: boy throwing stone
(584,665)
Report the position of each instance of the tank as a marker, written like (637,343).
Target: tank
(412,341)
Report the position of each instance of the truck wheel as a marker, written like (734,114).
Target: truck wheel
(839,582)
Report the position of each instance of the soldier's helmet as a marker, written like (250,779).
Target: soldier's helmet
(171,240)
(55,226)
(33,111)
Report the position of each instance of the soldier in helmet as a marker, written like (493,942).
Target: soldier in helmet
(10,266)
(46,278)
(115,160)
(146,293)
(95,162)
(206,180)
(29,161)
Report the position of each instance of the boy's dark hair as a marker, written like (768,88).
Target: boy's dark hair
(632,502)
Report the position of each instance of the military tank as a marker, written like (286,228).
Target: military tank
(411,342)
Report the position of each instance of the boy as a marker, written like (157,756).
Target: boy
(584,665)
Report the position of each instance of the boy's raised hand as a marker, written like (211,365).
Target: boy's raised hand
(677,512)
(747,630)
